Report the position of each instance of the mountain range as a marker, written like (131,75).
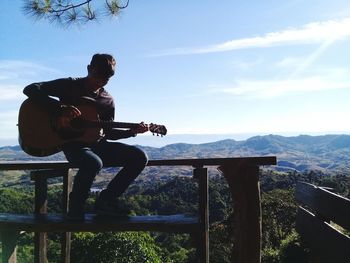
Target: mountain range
(325,153)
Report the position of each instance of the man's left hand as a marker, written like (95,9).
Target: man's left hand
(141,128)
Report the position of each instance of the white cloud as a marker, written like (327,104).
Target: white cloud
(8,121)
(10,92)
(15,74)
(289,62)
(246,65)
(274,88)
(12,70)
(312,33)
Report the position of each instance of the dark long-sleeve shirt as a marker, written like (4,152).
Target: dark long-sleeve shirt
(69,91)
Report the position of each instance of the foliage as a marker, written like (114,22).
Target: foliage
(278,216)
(25,248)
(220,242)
(110,247)
(292,250)
(175,248)
(14,201)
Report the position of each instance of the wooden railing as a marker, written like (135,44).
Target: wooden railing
(320,214)
(242,175)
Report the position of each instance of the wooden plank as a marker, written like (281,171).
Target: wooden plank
(268,160)
(330,206)
(32,165)
(324,240)
(94,223)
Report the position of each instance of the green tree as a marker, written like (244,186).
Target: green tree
(122,247)
(278,216)
(292,250)
(14,201)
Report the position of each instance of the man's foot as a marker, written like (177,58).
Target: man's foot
(110,208)
(75,209)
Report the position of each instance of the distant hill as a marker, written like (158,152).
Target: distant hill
(326,153)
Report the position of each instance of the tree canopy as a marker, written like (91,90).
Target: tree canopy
(68,12)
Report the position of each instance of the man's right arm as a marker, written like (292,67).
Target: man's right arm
(41,93)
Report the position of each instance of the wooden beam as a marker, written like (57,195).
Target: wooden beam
(95,223)
(32,165)
(243,181)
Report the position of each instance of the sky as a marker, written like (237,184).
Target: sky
(225,69)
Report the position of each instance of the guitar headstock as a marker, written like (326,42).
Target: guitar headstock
(157,129)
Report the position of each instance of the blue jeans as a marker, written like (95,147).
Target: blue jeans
(90,160)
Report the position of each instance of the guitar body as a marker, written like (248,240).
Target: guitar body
(38,135)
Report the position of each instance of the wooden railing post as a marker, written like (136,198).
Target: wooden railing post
(66,237)
(243,180)
(201,174)
(40,208)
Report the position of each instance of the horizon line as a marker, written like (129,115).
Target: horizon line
(220,137)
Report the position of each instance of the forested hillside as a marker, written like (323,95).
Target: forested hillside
(280,242)
(327,153)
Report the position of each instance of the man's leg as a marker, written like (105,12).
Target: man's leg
(132,159)
(89,165)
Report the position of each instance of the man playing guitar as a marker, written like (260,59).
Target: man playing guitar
(91,157)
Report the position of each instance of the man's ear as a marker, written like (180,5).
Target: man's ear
(88,68)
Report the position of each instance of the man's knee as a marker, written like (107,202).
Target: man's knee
(140,157)
(93,165)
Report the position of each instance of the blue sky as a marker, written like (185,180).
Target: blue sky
(199,67)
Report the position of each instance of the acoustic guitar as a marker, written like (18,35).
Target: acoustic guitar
(40,134)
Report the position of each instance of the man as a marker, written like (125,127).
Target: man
(90,158)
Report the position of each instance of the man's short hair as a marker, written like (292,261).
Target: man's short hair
(103,65)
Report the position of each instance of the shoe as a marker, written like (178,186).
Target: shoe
(110,208)
(75,210)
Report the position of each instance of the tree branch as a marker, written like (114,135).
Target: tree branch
(66,11)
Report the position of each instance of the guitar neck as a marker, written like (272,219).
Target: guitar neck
(82,123)
(123,125)
(111,124)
